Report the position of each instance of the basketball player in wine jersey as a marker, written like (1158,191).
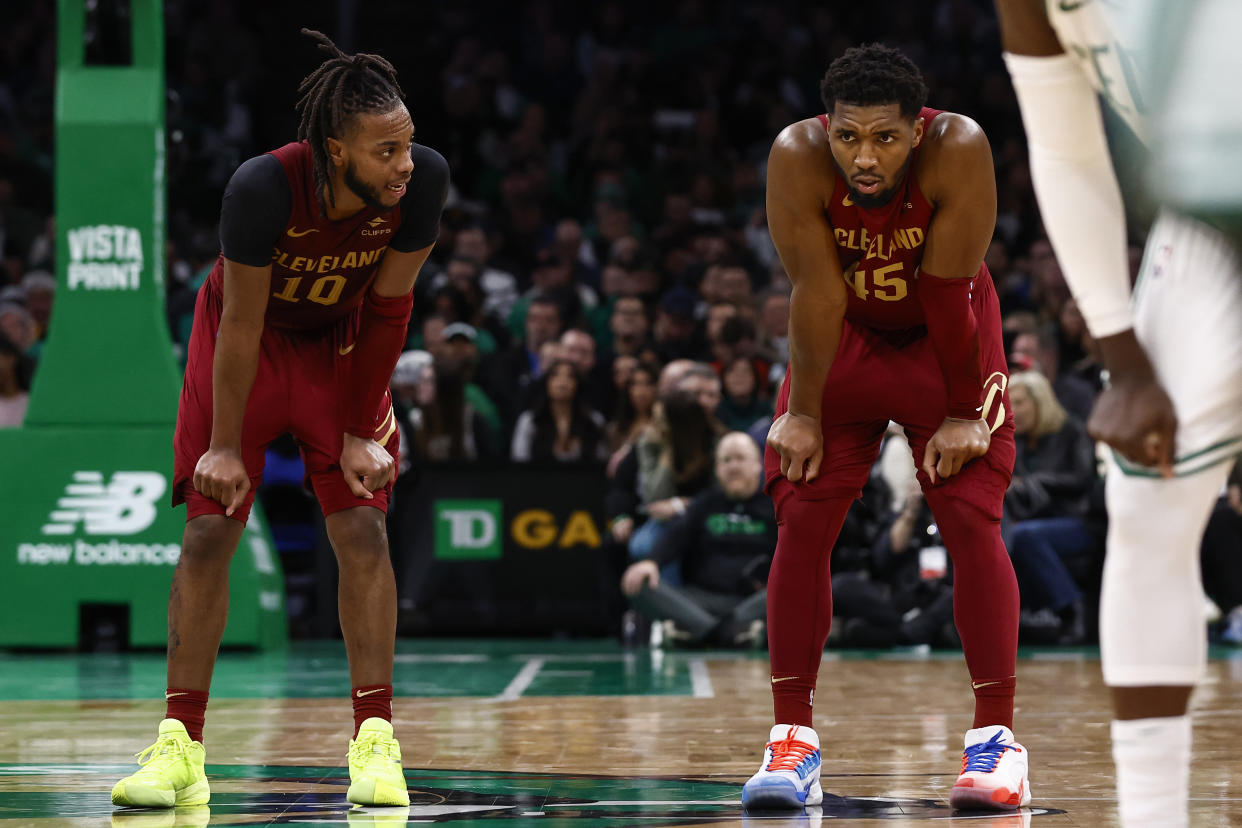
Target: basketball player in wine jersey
(297,330)
(881,210)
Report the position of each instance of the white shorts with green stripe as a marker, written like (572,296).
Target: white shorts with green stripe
(1188,314)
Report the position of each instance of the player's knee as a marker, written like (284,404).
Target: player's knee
(969,532)
(210,540)
(358,536)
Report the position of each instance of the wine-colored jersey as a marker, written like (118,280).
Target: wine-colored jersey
(321,268)
(881,248)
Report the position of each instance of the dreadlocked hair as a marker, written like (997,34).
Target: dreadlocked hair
(874,75)
(343,86)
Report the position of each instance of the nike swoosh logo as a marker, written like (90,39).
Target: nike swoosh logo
(168,696)
(975,685)
(776,680)
(847,202)
(345,350)
(362,693)
(293,233)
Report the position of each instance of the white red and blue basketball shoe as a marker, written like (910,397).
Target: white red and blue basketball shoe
(788,779)
(994,772)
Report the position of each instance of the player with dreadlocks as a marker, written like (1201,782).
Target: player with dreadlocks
(297,330)
(881,210)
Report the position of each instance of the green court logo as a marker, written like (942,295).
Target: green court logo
(468,529)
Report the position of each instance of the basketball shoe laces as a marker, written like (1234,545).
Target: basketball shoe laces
(166,748)
(984,756)
(369,746)
(788,754)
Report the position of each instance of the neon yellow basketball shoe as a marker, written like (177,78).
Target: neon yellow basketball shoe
(375,775)
(171,773)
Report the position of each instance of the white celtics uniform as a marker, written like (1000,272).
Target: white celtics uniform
(1188,315)
(1188,301)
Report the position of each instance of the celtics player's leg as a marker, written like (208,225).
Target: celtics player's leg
(1188,315)
(1153,642)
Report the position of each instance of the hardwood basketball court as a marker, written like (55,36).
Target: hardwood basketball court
(578,735)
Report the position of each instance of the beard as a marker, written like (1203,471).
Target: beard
(370,195)
(870,201)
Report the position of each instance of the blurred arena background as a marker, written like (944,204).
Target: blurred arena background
(607,212)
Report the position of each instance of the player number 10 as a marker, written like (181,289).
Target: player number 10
(325,290)
(884,286)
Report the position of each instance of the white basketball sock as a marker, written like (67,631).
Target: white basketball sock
(1153,771)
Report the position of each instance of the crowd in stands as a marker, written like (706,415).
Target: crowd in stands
(604,290)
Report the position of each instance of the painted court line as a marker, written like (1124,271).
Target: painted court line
(700,681)
(522,680)
(418,658)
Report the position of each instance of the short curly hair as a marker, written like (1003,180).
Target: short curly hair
(874,75)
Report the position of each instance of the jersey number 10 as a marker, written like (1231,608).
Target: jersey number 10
(325,290)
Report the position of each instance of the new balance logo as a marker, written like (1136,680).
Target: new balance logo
(124,506)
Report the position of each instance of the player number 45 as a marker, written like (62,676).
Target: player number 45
(885,286)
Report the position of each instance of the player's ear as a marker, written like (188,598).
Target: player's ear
(918,131)
(336,151)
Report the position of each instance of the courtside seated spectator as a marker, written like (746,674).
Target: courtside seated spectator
(1050,527)
(669,464)
(724,543)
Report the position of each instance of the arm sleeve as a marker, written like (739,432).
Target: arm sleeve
(423,201)
(1077,189)
(255,211)
(954,334)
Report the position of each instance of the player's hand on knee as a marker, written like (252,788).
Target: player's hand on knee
(955,444)
(799,440)
(221,475)
(1136,417)
(638,575)
(366,464)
